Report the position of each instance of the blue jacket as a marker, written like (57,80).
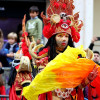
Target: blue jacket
(5,50)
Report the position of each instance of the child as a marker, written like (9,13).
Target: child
(34,25)
(11,47)
(20,36)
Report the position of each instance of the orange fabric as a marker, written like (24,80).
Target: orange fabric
(72,71)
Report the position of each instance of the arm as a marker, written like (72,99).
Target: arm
(17,48)
(91,46)
(4,50)
(92,43)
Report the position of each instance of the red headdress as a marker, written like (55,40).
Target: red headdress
(57,22)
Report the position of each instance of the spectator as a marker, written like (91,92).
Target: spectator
(2,58)
(10,47)
(20,36)
(34,25)
(96,58)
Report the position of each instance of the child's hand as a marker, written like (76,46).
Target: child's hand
(10,55)
(38,41)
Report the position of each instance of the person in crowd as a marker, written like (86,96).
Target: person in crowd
(20,36)
(3,59)
(96,57)
(10,47)
(34,25)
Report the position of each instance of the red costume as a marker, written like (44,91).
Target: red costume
(54,25)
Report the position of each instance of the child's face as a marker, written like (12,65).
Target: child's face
(33,14)
(11,41)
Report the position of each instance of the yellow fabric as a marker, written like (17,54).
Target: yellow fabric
(65,71)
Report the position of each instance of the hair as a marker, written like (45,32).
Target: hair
(1,34)
(1,38)
(34,9)
(12,35)
(20,33)
(52,44)
(96,52)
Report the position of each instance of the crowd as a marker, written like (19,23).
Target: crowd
(34,29)
(9,49)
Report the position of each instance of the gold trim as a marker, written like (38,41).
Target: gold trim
(34,48)
(25,82)
(18,89)
(60,30)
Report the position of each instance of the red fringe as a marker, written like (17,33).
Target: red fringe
(25,50)
(43,96)
(13,95)
(80,95)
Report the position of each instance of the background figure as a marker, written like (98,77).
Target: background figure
(34,25)
(96,58)
(3,59)
(10,47)
(20,36)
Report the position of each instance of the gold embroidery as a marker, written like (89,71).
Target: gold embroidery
(59,30)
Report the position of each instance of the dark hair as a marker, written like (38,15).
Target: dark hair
(20,33)
(52,44)
(34,9)
(96,52)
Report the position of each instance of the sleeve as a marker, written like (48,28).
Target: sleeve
(17,48)
(91,46)
(39,30)
(4,51)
